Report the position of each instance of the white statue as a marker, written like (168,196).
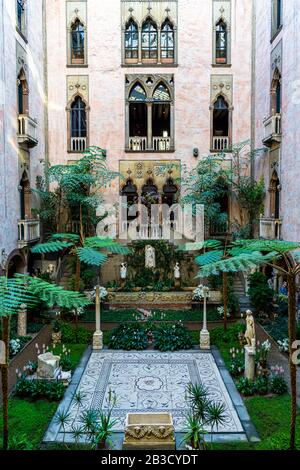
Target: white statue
(123,271)
(250,329)
(177,271)
(149,257)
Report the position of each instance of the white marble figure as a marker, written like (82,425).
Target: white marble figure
(177,271)
(250,329)
(123,271)
(149,257)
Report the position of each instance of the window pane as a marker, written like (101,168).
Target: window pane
(161,93)
(137,93)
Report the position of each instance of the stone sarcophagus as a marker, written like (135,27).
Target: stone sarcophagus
(48,366)
(149,431)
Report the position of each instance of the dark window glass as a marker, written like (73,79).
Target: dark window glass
(20,14)
(221,116)
(279,10)
(78,118)
(221,43)
(278,98)
(131,41)
(137,93)
(20,99)
(161,93)
(167,40)
(78,41)
(149,40)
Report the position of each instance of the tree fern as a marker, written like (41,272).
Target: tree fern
(91,257)
(51,247)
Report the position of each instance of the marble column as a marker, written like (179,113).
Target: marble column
(22,320)
(250,361)
(204,334)
(98,335)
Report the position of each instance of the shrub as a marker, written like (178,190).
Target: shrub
(36,389)
(20,443)
(237,364)
(72,335)
(260,294)
(128,336)
(246,387)
(278,385)
(65,363)
(262,385)
(172,337)
(230,335)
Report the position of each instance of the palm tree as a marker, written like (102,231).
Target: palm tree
(23,289)
(248,254)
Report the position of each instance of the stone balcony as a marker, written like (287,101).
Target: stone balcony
(28,232)
(270,228)
(272,130)
(220,144)
(78,144)
(159,144)
(27,131)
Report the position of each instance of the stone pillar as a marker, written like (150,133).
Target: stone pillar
(98,335)
(204,334)
(149,126)
(250,361)
(22,320)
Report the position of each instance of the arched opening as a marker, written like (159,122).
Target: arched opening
(129,191)
(16,265)
(25,209)
(149,40)
(221,42)
(276,93)
(23,107)
(138,115)
(274,191)
(167,40)
(220,124)
(77,43)
(78,125)
(131,40)
(170,197)
(161,117)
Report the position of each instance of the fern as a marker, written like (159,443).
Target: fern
(243,262)
(91,257)
(51,247)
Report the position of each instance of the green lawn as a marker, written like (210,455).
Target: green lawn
(76,352)
(157,315)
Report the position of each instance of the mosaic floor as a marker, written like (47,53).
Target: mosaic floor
(150,381)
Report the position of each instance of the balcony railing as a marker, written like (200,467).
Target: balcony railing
(159,144)
(272,130)
(220,143)
(78,144)
(270,228)
(149,232)
(27,130)
(28,232)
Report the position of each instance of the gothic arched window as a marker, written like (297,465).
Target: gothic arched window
(22,93)
(167,40)
(149,40)
(77,43)
(221,120)
(78,125)
(131,40)
(221,42)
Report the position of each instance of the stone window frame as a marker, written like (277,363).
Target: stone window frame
(70,25)
(275,28)
(159,61)
(227,22)
(230,123)
(23,30)
(22,80)
(168,81)
(87,113)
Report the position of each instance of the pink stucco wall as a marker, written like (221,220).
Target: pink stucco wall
(107,77)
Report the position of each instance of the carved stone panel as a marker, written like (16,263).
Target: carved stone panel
(76,10)
(276,58)
(159,10)
(77,84)
(221,84)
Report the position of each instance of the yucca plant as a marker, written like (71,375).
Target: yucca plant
(23,289)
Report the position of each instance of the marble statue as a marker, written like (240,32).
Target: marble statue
(177,271)
(123,271)
(250,329)
(149,257)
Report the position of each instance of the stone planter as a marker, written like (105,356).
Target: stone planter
(146,431)
(56,337)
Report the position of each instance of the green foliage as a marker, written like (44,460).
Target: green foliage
(51,247)
(37,389)
(72,335)
(129,336)
(260,294)
(278,385)
(262,385)
(250,196)
(20,443)
(219,336)
(172,337)
(246,387)
(65,363)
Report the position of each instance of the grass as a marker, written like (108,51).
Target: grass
(121,315)
(76,352)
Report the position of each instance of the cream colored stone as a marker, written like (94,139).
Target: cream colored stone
(48,365)
(148,431)
(98,340)
(250,362)
(22,321)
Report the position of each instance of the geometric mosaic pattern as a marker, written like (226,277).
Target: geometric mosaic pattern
(151,381)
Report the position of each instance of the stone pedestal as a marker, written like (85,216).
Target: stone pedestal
(249,362)
(22,321)
(48,366)
(149,431)
(204,339)
(98,340)
(2,353)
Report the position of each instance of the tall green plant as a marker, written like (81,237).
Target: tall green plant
(14,292)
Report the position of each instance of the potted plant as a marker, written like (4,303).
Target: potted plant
(56,332)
